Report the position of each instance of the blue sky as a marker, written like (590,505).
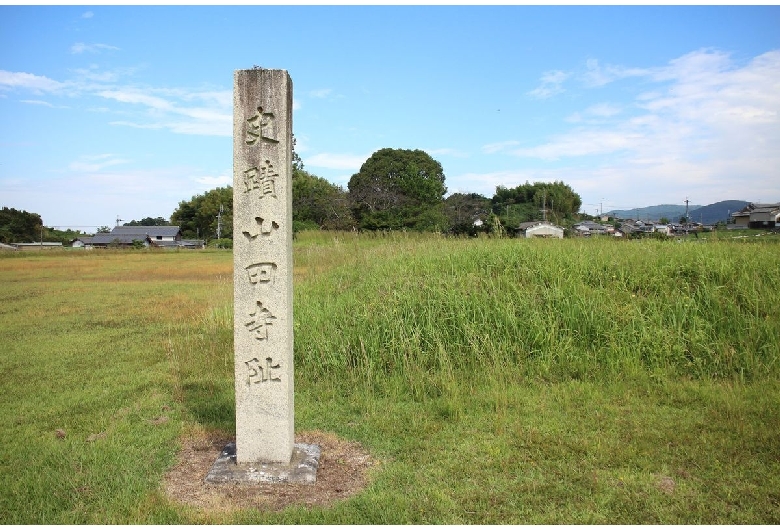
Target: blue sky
(125,111)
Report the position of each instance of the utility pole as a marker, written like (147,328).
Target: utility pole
(544,205)
(219,221)
(686,211)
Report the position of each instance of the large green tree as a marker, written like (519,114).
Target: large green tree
(465,209)
(526,202)
(319,204)
(198,217)
(399,188)
(149,221)
(19,226)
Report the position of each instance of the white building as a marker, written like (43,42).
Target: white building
(540,229)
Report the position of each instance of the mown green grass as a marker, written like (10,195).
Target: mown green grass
(497,381)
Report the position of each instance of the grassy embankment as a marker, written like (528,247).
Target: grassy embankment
(498,381)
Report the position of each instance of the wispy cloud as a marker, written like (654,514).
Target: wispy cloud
(136,96)
(705,117)
(94,74)
(37,102)
(706,101)
(123,192)
(596,75)
(24,80)
(81,47)
(180,110)
(87,14)
(499,146)
(321,93)
(215,118)
(596,113)
(582,142)
(210,182)
(93,163)
(551,84)
(447,151)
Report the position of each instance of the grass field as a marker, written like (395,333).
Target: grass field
(496,381)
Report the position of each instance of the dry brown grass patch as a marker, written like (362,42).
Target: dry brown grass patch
(342,473)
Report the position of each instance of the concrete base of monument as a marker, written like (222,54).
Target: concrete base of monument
(302,468)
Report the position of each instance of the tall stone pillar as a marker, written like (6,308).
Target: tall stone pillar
(262,265)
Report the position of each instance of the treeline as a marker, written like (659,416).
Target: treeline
(20,226)
(395,189)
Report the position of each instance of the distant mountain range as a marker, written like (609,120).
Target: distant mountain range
(710,214)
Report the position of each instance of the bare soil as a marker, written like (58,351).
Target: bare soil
(342,473)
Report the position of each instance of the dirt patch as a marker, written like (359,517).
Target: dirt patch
(666,484)
(342,473)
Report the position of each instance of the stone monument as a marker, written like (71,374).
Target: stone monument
(263,287)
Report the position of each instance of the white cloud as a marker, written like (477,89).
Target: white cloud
(596,113)
(23,80)
(209,183)
(707,108)
(102,195)
(86,76)
(551,84)
(93,163)
(136,96)
(185,111)
(708,128)
(81,47)
(88,14)
(164,113)
(603,110)
(321,93)
(447,151)
(596,75)
(581,143)
(499,146)
(137,125)
(37,102)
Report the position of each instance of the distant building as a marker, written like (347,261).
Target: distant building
(587,228)
(149,236)
(758,216)
(45,245)
(540,229)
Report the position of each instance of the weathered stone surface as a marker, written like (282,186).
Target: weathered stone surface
(262,274)
(301,469)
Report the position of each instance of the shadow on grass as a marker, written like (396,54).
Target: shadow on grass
(212,405)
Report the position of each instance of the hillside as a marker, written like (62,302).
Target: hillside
(716,212)
(710,214)
(673,212)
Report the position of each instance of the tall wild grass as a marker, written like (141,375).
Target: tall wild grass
(423,308)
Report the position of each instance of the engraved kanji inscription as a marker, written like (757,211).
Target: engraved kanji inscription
(261,178)
(260,320)
(261,272)
(262,227)
(261,127)
(263,371)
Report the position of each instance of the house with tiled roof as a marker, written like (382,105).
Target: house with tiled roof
(756,215)
(128,236)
